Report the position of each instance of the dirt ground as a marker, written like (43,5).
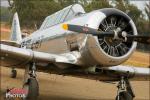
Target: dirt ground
(139,59)
(57,87)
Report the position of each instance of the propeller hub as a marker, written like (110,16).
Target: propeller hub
(113,41)
(115,45)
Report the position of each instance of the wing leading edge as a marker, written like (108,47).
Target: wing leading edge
(136,73)
(13,56)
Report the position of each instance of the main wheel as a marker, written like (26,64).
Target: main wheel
(32,89)
(13,73)
(124,96)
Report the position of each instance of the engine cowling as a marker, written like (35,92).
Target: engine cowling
(108,51)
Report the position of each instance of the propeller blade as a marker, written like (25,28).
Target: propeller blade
(86,30)
(138,38)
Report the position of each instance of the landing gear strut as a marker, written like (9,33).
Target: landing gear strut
(13,73)
(125,91)
(30,83)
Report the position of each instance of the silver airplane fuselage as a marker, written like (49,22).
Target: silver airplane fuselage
(56,40)
(62,51)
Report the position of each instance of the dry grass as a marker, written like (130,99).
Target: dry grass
(139,59)
(5,32)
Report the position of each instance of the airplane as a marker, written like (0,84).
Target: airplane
(75,43)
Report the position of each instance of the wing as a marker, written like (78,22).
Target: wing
(14,56)
(135,73)
(11,43)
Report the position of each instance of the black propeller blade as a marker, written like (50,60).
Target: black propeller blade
(139,38)
(87,30)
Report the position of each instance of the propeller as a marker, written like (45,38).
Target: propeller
(139,38)
(87,30)
(116,34)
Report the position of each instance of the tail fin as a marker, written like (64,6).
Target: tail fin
(15,30)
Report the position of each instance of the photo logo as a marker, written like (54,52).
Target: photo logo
(16,93)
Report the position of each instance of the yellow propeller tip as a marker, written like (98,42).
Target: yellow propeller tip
(65,26)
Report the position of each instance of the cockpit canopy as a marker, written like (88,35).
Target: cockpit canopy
(62,15)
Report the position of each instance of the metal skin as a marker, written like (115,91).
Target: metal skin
(56,40)
(61,50)
(54,49)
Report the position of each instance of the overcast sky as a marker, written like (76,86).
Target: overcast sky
(140,3)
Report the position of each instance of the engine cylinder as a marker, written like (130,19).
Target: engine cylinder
(108,51)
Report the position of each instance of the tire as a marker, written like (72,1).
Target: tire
(124,96)
(13,73)
(32,89)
